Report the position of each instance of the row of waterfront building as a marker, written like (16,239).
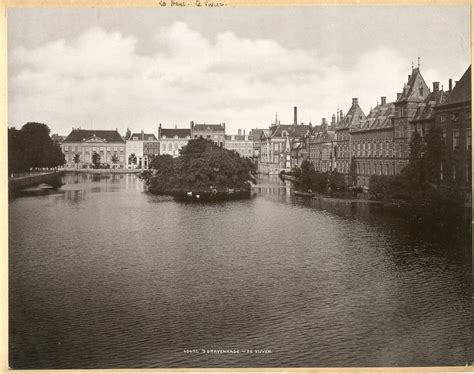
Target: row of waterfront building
(135,150)
(376,143)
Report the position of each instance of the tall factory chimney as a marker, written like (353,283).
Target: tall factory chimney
(295,115)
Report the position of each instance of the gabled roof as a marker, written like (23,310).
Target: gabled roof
(280,131)
(461,93)
(315,129)
(266,133)
(379,118)
(426,111)
(78,135)
(171,133)
(208,127)
(142,136)
(324,137)
(255,134)
(353,117)
(411,90)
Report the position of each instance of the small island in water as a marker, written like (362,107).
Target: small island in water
(203,171)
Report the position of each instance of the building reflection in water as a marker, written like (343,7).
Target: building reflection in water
(97,183)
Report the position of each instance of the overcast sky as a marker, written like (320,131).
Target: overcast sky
(136,68)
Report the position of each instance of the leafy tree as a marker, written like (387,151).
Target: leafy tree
(435,151)
(307,175)
(353,172)
(132,159)
(32,147)
(414,172)
(96,160)
(201,165)
(114,159)
(337,181)
(420,179)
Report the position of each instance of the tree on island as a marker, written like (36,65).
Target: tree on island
(201,166)
(96,160)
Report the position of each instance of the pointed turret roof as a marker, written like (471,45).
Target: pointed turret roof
(411,90)
(353,117)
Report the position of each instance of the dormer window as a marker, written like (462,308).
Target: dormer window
(454,117)
(421,91)
(135,138)
(176,136)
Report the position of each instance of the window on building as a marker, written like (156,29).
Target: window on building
(441,171)
(455,139)
(421,91)
(468,115)
(442,119)
(454,117)
(468,139)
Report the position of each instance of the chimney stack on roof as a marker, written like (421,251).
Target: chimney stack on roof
(409,76)
(295,115)
(450,85)
(239,132)
(244,132)
(435,86)
(383,100)
(355,101)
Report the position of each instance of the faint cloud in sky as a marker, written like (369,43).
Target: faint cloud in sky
(99,79)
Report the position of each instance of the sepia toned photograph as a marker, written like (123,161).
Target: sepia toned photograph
(211,186)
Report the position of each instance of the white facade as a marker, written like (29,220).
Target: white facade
(143,146)
(171,146)
(241,144)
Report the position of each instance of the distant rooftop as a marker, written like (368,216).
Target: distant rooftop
(79,135)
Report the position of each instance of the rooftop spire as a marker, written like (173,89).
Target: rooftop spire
(418,62)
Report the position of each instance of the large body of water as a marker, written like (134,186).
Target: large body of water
(104,275)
